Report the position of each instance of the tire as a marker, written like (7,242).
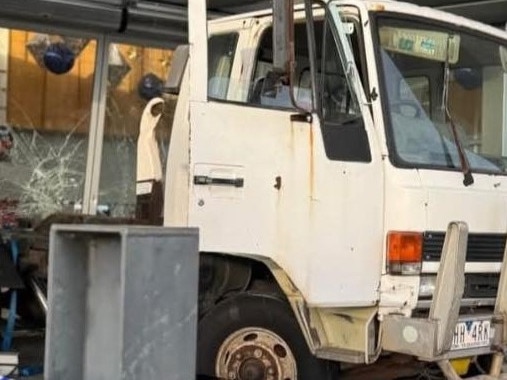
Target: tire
(256,337)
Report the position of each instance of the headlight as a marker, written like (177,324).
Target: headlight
(427,286)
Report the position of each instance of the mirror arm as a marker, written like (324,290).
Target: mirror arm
(283,34)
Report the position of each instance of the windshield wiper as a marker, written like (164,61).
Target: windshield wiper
(468,178)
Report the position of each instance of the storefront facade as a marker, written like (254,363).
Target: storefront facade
(70,107)
(75,76)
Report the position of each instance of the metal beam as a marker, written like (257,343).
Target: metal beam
(97,16)
(488,11)
(165,22)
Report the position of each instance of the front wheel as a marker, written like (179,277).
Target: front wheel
(256,337)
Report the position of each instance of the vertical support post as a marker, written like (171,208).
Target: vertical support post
(283,34)
(198,40)
(504,116)
(501,302)
(449,291)
(504,110)
(96,132)
(501,313)
(450,284)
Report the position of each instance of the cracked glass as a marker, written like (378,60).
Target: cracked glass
(132,158)
(46,85)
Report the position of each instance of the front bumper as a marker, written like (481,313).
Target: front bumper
(430,339)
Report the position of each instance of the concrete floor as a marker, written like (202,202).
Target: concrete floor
(30,348)
(392,367)
(31,352)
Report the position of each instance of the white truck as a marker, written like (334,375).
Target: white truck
(346,166)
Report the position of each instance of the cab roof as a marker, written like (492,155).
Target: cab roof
(381,6)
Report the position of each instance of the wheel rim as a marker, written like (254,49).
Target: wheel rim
(255,353)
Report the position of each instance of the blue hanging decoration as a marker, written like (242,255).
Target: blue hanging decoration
(469,78)
(150,86)
(59,58)
(56,53)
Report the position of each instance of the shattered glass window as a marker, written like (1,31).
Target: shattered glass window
(46,84)
(132,154)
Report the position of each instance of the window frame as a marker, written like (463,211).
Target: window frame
(393,155)
(236,35)
(358,133)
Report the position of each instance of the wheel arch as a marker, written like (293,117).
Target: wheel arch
(255,274)
(321,329)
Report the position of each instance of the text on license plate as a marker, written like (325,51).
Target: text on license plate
(471,334)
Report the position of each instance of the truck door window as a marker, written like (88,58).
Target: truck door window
(221,55)
(344,135)
(264,94)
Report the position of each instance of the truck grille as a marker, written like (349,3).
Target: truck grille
(480,247)
(481,285)
(478,286)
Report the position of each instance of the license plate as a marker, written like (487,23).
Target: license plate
(471,334)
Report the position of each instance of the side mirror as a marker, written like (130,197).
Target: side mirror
(283,34)
(178,64)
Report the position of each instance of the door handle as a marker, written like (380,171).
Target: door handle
(206,180)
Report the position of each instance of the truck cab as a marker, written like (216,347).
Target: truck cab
(352,204)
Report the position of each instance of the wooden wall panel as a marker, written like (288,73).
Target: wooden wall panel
(466,108)
(125,106)
(68,97)
(40,99)
(4,65)
(48,102)
(25,81)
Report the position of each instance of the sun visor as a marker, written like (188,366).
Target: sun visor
(428,44)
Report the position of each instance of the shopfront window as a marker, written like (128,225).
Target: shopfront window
(46,85)
(131,154)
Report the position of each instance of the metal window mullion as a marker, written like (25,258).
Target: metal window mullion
(97,120)
(504,118)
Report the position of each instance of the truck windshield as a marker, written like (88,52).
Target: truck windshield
(438,79)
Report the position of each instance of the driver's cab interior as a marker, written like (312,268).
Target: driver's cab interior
(343,130)
(269,90)
(335,94)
